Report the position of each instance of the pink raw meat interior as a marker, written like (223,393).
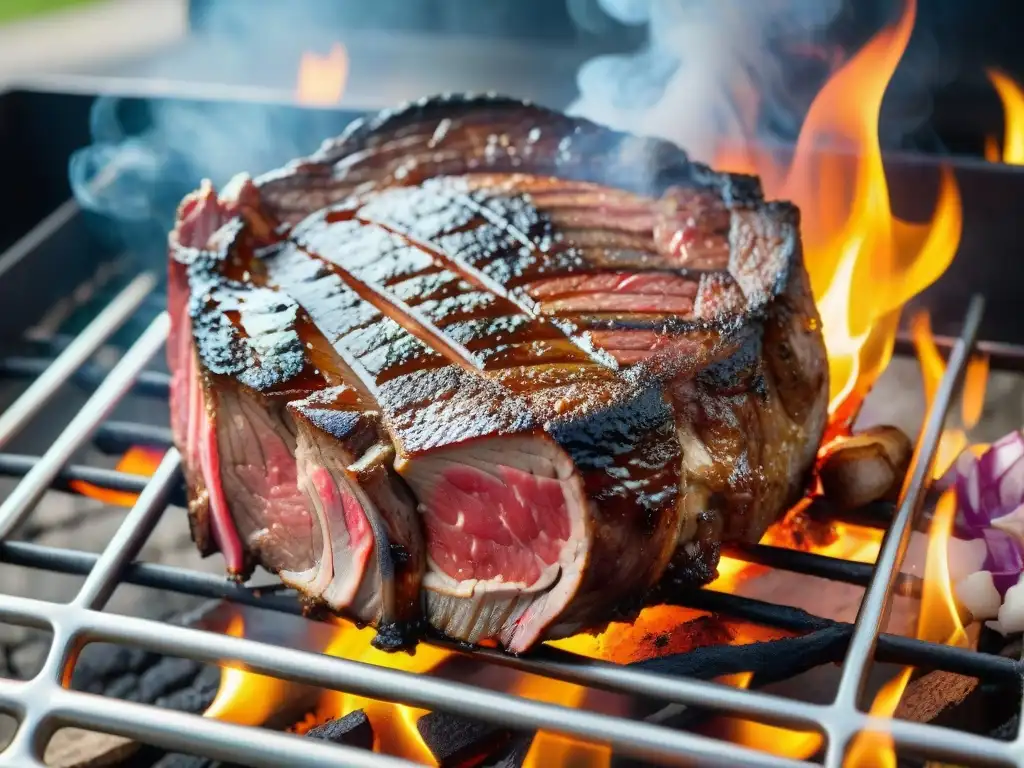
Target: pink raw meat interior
(484,527)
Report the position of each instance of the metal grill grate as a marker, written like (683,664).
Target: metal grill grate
(43,704)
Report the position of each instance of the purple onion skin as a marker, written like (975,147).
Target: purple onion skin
(1004,559)
(990,486)
(999,476)
(1003,580)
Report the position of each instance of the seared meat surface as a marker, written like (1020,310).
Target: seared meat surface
(478,364)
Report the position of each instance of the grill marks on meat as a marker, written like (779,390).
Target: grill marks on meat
(494,365)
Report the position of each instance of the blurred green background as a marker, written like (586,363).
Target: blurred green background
(11,10)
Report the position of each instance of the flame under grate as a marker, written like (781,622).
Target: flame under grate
(44,703)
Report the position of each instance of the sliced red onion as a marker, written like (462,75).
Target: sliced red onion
(1000,463)
(1011,524)
(1005,560)
(990,486)
(990,507)
(969,521)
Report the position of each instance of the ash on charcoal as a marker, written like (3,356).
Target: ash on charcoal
(190,761)
(354,729)
(135,675)
(460,741)
(8,727)
(75,748)
(150,678)
(175,760)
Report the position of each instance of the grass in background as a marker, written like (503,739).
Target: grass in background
(12,10)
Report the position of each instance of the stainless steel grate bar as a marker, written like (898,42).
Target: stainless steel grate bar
(630,737)
(34,484)
(85,345)
(177,731)
(191,733)
(131,536)
(340,674)
(946,744)
(564,666)
(874,606)
(43,704)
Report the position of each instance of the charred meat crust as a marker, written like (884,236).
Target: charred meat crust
(567,147)
(474,269)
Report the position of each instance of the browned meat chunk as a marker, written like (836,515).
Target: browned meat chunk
(482,364)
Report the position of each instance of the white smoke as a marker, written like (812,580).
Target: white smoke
(706,62)
(709,68)
(133,174)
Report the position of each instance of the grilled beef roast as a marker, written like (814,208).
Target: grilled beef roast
(481,364)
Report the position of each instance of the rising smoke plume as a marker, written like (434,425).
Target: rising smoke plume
(712,69)
(133,175)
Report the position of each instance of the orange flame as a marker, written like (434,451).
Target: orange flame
(938,622)
(933,367)
(851,542)
(393,724)
(875,750)
(321,79)
(137,460)
(781,742)
(863,262)
(244,698)
(1013,121)
(549,749)
(938,617)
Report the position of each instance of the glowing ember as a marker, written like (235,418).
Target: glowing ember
(137,460)
(244,697)
(864,263)
(321,79)
(1013,120)
(664,629)
(991,150)
(848,542)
